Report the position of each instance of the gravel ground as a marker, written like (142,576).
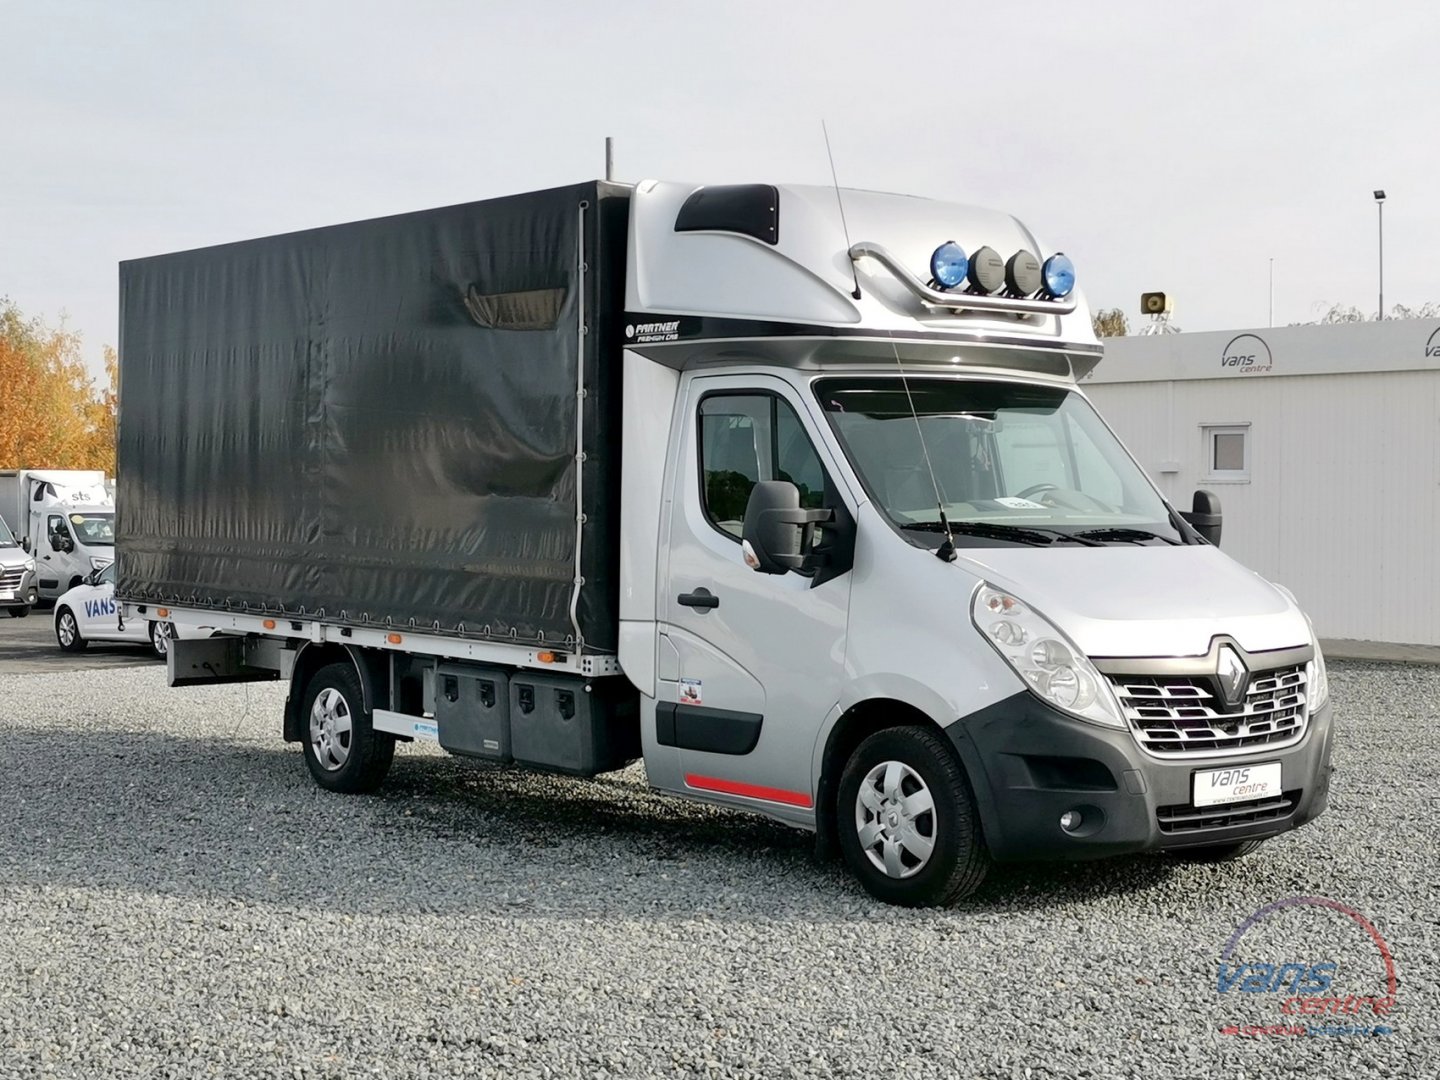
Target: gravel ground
(180,900)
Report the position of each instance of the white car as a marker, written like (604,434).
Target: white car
(88,612)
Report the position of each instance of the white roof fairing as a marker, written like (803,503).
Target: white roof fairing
(808,277)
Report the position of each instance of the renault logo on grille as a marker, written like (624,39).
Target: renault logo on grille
(1233,676)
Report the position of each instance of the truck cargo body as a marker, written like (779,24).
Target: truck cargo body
(681,472)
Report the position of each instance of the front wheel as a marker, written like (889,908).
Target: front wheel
(161,634)
(19,612)
(67,631)
(344,752)
(907,821)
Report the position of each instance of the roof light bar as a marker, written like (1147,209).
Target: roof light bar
(964,301)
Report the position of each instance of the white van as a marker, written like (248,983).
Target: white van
(64,519)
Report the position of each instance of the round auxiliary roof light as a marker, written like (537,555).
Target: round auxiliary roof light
(987,271)
(1059,275)
(948,265)
(1022,274)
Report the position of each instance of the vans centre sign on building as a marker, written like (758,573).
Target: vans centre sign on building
(1323,444)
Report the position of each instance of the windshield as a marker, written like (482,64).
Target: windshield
(94,529)
(1014,463)
(6,540)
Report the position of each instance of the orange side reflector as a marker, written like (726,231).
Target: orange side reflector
(545,657)
(163,612)
(269,624)
(393,639)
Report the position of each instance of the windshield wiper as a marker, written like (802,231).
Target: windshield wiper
(995,530)
(1125,535)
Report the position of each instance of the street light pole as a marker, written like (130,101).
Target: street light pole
(1380,214)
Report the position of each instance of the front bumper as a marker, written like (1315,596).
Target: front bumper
(26,593)
(1030,763)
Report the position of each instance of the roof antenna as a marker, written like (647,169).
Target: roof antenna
(841,202)
(946,551)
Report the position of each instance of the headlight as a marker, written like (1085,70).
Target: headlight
(1318,681)
(98,563)
(1315,678)
(1052,667)
(30,565)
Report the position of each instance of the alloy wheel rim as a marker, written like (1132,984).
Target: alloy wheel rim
(895,820)
(331,729)
(67,629)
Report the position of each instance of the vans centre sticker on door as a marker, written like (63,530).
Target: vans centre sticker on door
(690,692)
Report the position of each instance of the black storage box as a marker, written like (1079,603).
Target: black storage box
(472,711)
(573,726)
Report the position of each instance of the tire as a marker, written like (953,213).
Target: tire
(67,631)
(161,634)
(344,752)
(1216,853)
(894,867)
(19,612)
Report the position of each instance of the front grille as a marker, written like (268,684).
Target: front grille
(1184,818)
(1176,716)
(10,577)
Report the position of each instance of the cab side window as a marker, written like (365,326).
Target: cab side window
(58,530)
(746,438)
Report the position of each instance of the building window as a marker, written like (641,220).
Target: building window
(1227,452)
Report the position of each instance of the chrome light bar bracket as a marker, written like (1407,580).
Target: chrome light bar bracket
(959,301)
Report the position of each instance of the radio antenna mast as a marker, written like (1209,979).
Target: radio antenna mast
(845,228)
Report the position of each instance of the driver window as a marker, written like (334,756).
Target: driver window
(107,576)
(57,527)
(746,438)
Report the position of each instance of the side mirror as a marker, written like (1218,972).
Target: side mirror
(25,544)
(92,578)
(778,534)
(1204,516)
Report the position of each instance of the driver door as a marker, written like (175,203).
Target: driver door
(755,660)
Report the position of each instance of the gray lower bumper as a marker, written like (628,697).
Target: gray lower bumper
(1030,763)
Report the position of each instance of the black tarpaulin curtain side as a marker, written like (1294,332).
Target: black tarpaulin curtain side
(320,422)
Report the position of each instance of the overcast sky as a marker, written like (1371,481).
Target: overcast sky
(1164,146)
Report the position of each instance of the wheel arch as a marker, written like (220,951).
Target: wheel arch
(372,667)
(852,727)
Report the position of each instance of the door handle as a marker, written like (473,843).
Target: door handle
(701,598)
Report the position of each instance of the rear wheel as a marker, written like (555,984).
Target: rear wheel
(19,612)
(67,631)
(344,752)
(1217,852)
(161,634)
(907,821)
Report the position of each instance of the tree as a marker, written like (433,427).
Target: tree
(51,413)
(1110,322)
(1348,313)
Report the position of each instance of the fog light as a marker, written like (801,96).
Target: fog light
(987,271)
(1071,820)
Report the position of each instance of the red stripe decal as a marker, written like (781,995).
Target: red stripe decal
(750,791)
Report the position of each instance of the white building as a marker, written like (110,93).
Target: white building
(1323,444)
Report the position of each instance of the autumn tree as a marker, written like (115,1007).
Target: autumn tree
(1348,313)
(52,415)
(1110,322)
